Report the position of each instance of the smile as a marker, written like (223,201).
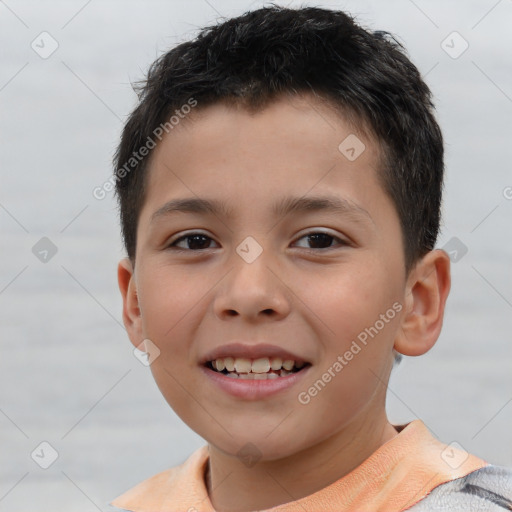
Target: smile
(262,368)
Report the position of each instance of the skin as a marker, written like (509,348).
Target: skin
(310,299)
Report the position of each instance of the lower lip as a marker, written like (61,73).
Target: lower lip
(253,389)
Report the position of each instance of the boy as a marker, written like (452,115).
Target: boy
(280,187)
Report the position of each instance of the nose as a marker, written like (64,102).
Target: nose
(252,291)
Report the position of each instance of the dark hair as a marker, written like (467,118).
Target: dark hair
(256,57)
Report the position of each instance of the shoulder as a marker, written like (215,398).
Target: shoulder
(178,486)
(487,489)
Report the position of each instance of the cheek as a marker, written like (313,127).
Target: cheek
(347,299)
(167,298)
(357,344)
(170,304)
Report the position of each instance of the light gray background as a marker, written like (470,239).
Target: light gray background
(68,374)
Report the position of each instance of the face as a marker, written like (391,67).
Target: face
(263,241)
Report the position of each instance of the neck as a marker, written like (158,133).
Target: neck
(235,488)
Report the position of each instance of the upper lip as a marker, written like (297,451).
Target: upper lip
(250,352)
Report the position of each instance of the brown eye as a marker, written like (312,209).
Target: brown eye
(193,242)
(320,240)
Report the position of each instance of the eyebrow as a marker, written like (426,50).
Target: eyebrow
(285,206)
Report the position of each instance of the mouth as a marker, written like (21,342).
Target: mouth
(263,368)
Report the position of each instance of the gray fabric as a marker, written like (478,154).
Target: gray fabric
(486,490)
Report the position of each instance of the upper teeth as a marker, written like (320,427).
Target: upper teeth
(262,365)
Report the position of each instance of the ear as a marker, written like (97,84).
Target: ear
(427,288)
(131,311)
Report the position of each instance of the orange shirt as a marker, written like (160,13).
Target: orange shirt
(400,473)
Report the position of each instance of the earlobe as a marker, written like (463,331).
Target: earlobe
(427,289)
(131,311)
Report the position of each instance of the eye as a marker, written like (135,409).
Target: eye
(314,240)
(192,242)
(320,240)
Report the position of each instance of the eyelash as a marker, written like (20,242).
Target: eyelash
(340,241)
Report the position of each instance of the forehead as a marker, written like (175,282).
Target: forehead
(227,167)
(245,158)
(286,116)
(295,131)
